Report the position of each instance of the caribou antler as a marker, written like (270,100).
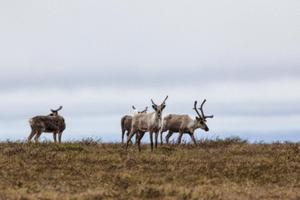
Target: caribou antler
(195,108)
(144,111)
(153,102)
(201,109)
(164,102)
(60,107)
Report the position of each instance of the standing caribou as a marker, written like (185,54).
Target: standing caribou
(185,124)
(52,123)
(147,122)
(126,122)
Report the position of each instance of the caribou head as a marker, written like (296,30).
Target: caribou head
(55,112)
(201,118)
(159,108)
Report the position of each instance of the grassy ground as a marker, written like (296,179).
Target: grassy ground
(221,169)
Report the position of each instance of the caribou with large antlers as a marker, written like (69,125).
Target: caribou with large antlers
(185,124)
(150,122)
(52,123)
(126,122)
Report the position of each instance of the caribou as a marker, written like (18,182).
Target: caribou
(126,122)
(185,124)
(147,122)
(52,123)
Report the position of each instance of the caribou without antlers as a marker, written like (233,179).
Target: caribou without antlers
(52,123)
(126,122)
(185,124)
(149,122)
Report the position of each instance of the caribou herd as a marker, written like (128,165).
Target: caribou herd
(136,125)
(154,123)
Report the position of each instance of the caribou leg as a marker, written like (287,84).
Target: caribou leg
(161,138)
(37,136)
(31,135)
(59,137)
(123,133)
(139,138)
(179,137)
(141,135)
(193,138)
(132,132)
(162,130)
(156,139)
(54,136)
(127,134)
(151,140)
(139,143)
(168,136)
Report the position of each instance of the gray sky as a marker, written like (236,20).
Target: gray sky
(97,58)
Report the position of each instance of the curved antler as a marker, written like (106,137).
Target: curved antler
(201,109)
(60,107)
(195,108)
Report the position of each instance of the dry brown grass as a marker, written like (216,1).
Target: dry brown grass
(220,169)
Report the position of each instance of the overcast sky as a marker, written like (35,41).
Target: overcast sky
(97,58)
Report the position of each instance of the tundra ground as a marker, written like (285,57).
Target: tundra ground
(218,169)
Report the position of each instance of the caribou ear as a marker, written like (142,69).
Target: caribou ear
(154,107)
(163,106)
(197,118)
